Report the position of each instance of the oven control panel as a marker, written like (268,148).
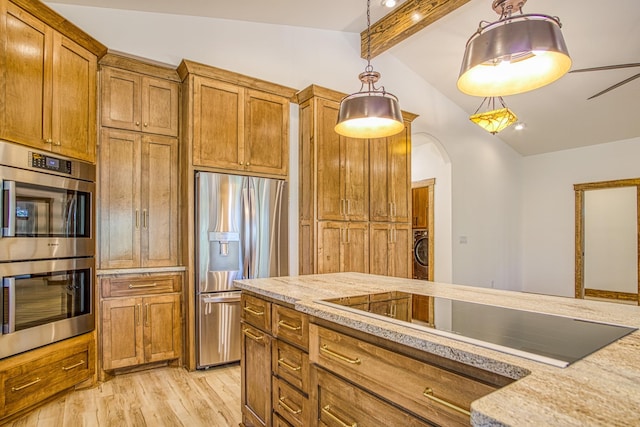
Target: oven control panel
(42,161)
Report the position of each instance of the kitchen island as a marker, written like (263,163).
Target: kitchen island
(602,388)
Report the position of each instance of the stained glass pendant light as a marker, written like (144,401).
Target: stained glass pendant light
(494,120)
(370,113)
(515,54)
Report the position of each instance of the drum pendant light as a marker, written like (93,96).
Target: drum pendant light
(515,54)
(370,113)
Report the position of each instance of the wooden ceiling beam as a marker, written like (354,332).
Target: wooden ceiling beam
(406,20)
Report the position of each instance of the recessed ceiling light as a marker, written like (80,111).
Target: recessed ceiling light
(389,3)
(519,126)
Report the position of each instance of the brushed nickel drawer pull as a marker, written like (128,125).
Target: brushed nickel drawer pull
(289,326)
(68,368)
(428,393)
(252,311)
(287,407)
(22,387)
(253,336)
(327,410)
(146,285)
(325,349)
(289,366)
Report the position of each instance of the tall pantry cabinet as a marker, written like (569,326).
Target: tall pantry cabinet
(140,276)
(355,204)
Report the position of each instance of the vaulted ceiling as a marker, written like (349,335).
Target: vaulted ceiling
(556,117)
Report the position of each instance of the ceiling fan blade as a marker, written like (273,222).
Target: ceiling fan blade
(625,81)
(606,67)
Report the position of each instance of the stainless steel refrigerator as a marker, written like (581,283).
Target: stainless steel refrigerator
(242,233)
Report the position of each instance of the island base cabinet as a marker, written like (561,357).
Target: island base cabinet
(256,377)
(342,404)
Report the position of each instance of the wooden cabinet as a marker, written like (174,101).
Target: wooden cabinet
(342,170)
(432,393)
(236,123)
(343,246)
(140,324)
(49,86)
(390,170)
(32,377)
(420,198)
(274,364)
(139,102)
(347,184)
(138,211)
(340,403)
(255,361)
(390,249)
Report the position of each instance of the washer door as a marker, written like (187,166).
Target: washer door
(421,251)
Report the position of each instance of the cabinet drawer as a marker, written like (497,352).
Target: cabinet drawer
(291,325)
(256,312)
(439,395)
(140,285)
(27,384)
(290,404)
(279,422)
(342,404)
(291,364)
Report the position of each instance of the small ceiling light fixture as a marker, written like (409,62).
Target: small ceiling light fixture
(519,126)
(515,54)
(371,113)
(389,3)
(494,120)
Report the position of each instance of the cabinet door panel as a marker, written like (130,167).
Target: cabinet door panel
(122,341)
(401,252)
(330,237)
(162,327)
(379,250)
(355,256)
(256,376)
(356,178)
(28,57)
(379,178)
(329,184)
(159,106)
(399,170)
(420,198)
(266,147)
(73,121)
(159,201)
(120,99)
(216,125)
(120,214)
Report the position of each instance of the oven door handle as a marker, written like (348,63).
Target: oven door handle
(9,291)
(9,222)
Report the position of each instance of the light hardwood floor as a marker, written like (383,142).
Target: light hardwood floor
(157,397)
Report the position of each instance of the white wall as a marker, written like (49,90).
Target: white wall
(548,208)
(429,159)
(484,171)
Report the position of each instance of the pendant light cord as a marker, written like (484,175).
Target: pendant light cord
(369,67)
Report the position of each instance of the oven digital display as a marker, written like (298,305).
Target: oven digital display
(41,161)
(52,163)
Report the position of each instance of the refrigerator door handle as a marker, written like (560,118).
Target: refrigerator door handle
(253,231)
(227,300)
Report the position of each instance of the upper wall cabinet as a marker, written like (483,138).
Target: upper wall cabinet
(138,102)
(234,122)
(49,90)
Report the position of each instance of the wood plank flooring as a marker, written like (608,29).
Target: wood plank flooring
(158,397)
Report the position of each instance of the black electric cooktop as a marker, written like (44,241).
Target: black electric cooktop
(547,338)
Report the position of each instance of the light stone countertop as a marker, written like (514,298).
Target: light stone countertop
(603,389)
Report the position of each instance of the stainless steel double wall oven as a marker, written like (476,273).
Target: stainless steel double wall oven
(47,248)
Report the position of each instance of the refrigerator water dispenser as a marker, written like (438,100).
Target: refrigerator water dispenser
(224,251)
